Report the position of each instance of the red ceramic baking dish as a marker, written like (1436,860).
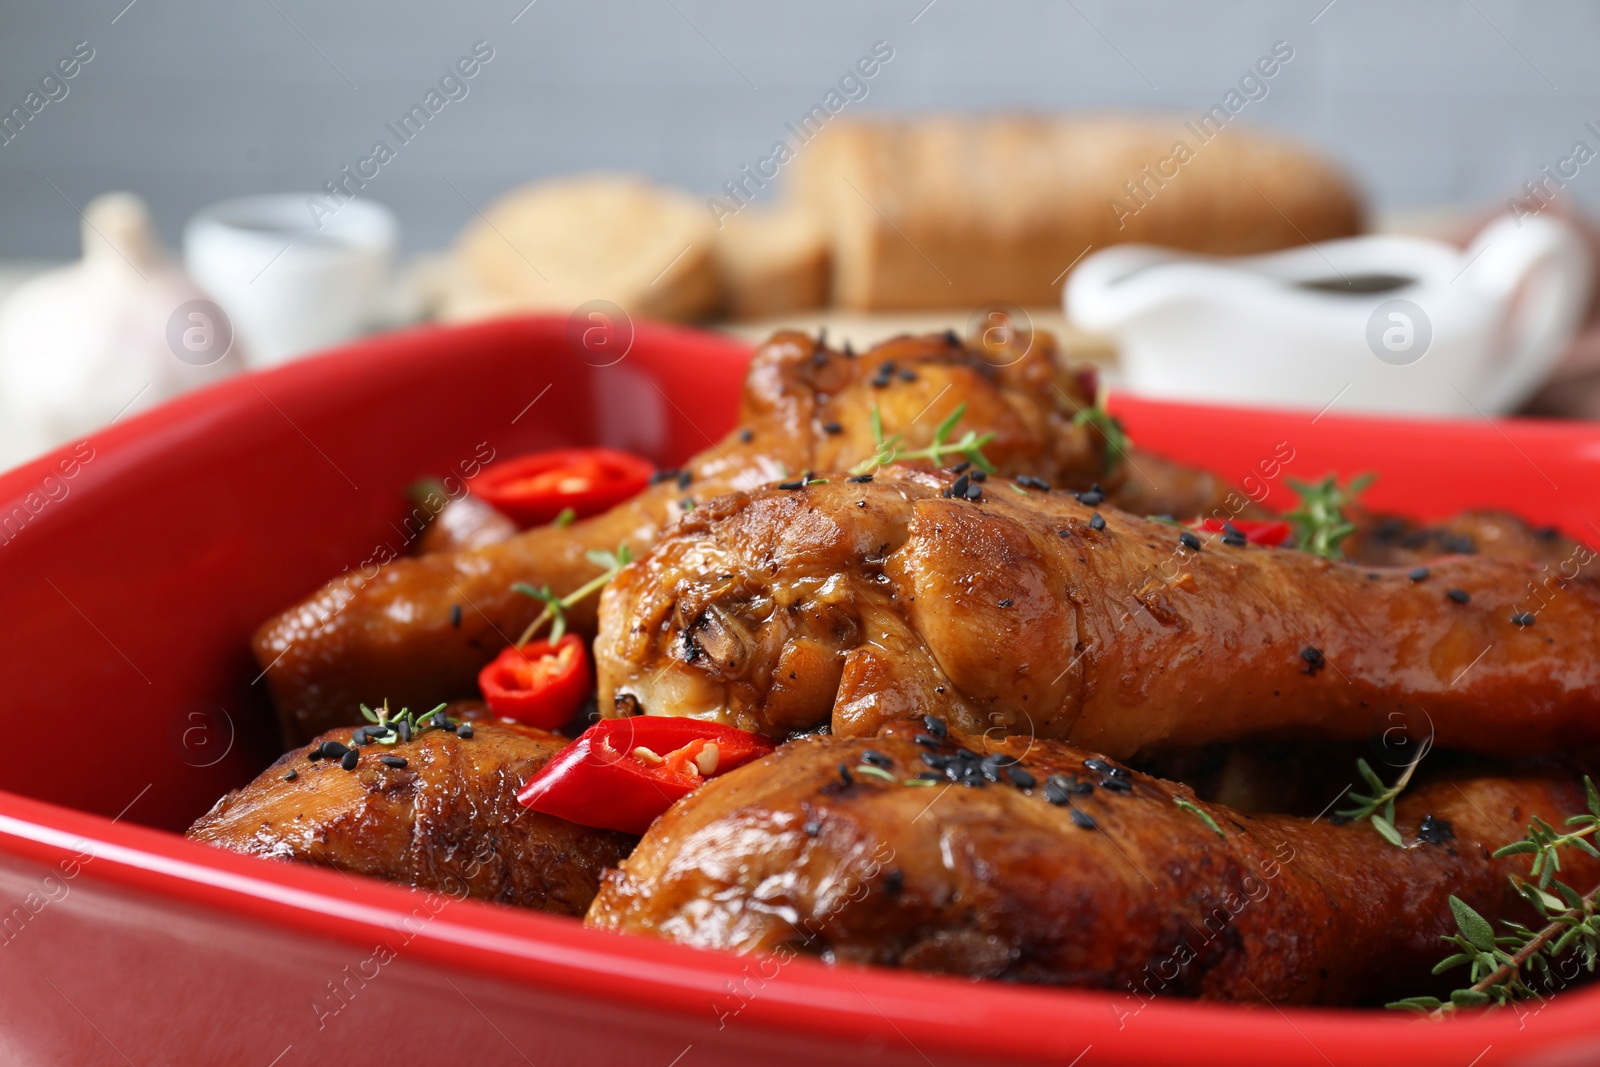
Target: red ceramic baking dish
(133,567)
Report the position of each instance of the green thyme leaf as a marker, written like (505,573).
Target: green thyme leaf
(1196,810)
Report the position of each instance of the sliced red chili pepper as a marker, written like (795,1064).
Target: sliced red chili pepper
(534,489)
(539,684)
(1271,532)
(620,774)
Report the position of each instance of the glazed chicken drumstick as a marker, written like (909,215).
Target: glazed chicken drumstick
(805,408)
(1029,612)
(444,817)
(1047,864)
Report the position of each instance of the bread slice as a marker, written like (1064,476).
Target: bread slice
(772,261)
(950,212)
(558,244)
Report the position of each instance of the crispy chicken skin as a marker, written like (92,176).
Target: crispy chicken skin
(805,407)
(778,611)
(1391,541)
(1115,888)
(448,821)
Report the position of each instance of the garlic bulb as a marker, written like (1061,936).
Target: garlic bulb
(118,331)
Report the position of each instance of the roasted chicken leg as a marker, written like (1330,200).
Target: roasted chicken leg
(447,820)
(1046,864)
(1028,612)
(420,630)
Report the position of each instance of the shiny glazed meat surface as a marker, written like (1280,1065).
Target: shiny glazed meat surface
(1391,541)
(447,821)
(805,407)
(1114,887)
(856,604)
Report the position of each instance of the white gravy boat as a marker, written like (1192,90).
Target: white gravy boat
(1381,324)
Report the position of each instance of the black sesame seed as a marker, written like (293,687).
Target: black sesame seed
(333,750)
(799,484)
(1092,498)
(1096,522)
(935,725)
(392,761)
(455,616)
(1523,618)
(1417,574)
(893,882)
(859,479)
(844,774)
(959,486)
(819,359)
(351,758)
(685,479)
(1082,789)
(747,435)
(980,476)
(832,427)
(907,375)
(291,776)
(1055,790)
(1460,596)
(874,758)
(952,339)
(1189,541)
(927,741)
(1547,533)
(1432,831)
(974,492)
(937,760)
(1116,785)
(850,350)
(1098,766)
(959,467)
(665,474)
(1020,778)
(1235,540)
(358,736)
(1005,602)
(1082,820)
(464,731)
(403,728)
(1314,658)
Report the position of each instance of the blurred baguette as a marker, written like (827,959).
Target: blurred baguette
(556,244)
(950,212)
(772,262)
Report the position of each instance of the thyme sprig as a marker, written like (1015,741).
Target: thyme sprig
(1196,810)
(1382,798)
(1321,522)
(1118,443)
(887,450)
(555,607)
(392,722)
(1544,841)
(1500,966)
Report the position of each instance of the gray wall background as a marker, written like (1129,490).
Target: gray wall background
(1428,103)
